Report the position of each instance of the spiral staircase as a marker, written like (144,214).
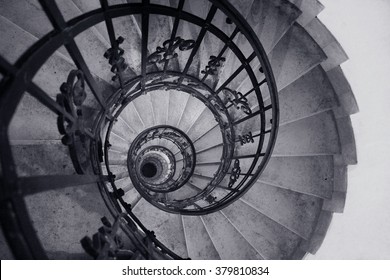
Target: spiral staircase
(170,129)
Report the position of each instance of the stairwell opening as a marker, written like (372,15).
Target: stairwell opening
(149,170)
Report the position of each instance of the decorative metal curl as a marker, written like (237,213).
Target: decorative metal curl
(167,51)
(213,65)
(74,133)
(239,101)
(236,172)
(106,243)
(246,138)
(115,58)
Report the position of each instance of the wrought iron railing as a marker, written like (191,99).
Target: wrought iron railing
(218,86)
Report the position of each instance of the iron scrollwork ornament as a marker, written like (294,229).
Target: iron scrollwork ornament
(168,50)
(246,138)
(115,58)
(236,172)
(75,135)
(239,101)
(213,65)
(106,243)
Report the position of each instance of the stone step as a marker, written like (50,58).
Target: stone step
(56,69)
(118,143)
(192,111)
(167,227)
(199,182)
(123,130)
(209,139)
(191,32)
(117,157)
(41,26)
(271,239)
(87,6)
(294,55)
(348,104)
(160,102)
(184,192)
(126,27)
(160,28)
(311,175)
(70,214)
(310,9)
(347,140)
(187,31)
(177,104)
(309,95)
(206,170)
(313,244)
(143,105)
(316,135)
(202,125)
(125,184)
(53,73)
(228,241)
(332,48)
(199,244)
(11,47)
(33,121)
(295,211)
(242,6)
(132,196)
(271,19)
(90,42)
(116,169)
(132,117)
(212,155)
(44,158)
(16,11)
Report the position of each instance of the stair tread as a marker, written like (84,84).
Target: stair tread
(271,19)
(143,105)
(297,212)
(42,159)
(177,103)
(10,47)
(209,139)
(310,94)
(132,117)
(344,92)
(168,227)
(305,174)
(122,129)
(63,223)
(271,239)
(332,48)
(314,135)
(309,8)
(228,241)
(38,23)
(199,244)
(42,122)
(192,111)
(202,124)
(294,55)
(160,102)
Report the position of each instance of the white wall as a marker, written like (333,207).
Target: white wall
(363,230)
